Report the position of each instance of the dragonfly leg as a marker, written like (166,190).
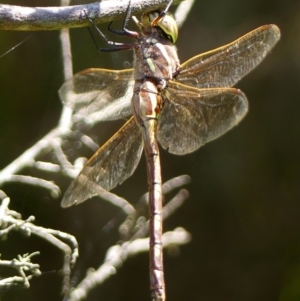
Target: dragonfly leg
(162,14)
(115,46)
(124,31)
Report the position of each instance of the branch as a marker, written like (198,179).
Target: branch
(10,221)
(22,265)
(182,11)
(55,18)
(118,254)
(137,243)
(27,159)
(54,189)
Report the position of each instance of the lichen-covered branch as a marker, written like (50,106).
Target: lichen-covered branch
(55,18)
(11,221)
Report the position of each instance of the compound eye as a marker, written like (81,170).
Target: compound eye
(168,25)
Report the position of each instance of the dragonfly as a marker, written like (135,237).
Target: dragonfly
(179,106)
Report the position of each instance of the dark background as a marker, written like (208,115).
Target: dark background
(244,206)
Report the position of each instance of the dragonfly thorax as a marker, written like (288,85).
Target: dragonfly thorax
(155,57)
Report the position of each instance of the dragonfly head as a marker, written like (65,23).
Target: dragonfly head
(165,22)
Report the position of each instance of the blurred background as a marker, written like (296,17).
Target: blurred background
(244,206)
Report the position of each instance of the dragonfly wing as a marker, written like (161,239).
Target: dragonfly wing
(192,117)
(112,164)
(99,94)
(225,66)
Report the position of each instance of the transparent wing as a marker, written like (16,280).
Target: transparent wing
(112,164)
(226,65)
(192,117)
(99,94)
